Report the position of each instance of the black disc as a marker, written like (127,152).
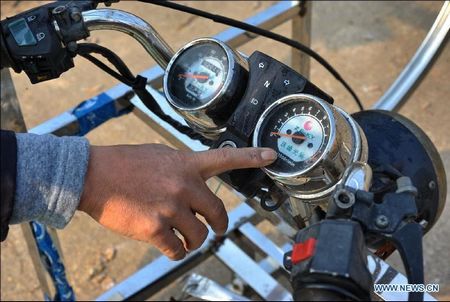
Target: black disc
(396,141)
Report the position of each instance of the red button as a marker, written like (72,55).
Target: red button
(303,250)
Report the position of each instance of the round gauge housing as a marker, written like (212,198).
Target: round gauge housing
(315,142)
(299,129)
(203,81)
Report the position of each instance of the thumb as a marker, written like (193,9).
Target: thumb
(213,162)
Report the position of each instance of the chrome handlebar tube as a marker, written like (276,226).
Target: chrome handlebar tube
(423,59)
(144,33)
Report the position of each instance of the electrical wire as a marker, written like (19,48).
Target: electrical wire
(262,32)
(88,48)
(138,84)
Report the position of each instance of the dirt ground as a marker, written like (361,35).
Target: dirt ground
(368,42)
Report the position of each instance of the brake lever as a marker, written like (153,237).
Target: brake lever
(408,241)
(394,220)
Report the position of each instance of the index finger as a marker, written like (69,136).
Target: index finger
(213,162)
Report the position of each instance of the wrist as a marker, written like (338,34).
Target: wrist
(91,189)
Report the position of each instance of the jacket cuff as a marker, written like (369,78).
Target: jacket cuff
(50,178)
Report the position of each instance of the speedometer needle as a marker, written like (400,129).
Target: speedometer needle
(289,135)
(195,76)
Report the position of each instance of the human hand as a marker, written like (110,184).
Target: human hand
(146,191)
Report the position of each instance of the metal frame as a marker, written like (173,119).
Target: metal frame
(44,248)
(150,278)
(420,63)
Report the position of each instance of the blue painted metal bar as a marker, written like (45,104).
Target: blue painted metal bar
(53,264)
(85,117)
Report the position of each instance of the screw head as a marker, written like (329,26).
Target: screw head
(76,16)
(432,185)
(382,221)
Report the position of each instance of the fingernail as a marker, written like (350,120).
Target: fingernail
(268,155)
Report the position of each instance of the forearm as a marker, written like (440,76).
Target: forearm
(50,178)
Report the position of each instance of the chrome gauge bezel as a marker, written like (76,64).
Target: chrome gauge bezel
(288,177)
(220,94)
(359,154)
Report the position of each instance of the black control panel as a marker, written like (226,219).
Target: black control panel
(30,43)
(269,80)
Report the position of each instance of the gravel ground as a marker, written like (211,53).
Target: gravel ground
(368,42)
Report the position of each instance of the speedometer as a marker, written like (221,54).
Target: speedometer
(299,131)
(198,75)
(315,142)
(203,82)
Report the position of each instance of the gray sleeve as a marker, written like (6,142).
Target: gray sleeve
(50,178)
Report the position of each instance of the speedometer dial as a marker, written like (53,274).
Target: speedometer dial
(204,81)
(299,130)
(315,142)
(198,76)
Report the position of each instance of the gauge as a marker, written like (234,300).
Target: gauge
(315,142)
(299,131)
(202,79)
(198,75)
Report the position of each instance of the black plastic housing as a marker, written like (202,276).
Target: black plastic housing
(48,57)
(337,269)
(268,81)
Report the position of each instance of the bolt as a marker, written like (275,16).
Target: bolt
(423,223)
(238,285)
(344,199)
(76,16)
(404,184)
(59,9)
(72,46)
(432,185)
(381,221)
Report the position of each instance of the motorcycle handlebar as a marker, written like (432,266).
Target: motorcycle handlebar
(144,33)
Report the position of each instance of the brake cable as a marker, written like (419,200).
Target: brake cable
(262,32)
